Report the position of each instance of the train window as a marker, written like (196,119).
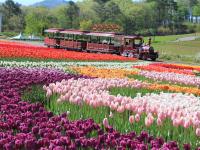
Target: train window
(80,37)
(127,42)
(94,39)
(71,37)
(50,35)
(104,40)
(138,42)
(66,36)
(56,35)
(115,41)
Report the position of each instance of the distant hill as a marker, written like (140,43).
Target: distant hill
(50,3)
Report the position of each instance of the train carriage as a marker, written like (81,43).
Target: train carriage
(52,38)
(102,42)
(73,40)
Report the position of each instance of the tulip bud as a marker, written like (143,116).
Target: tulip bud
(131,119)
(105,122)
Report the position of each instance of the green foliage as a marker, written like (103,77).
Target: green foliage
(148,17)
(38,19)
(72,13)
(196,10)
(86,25)
(67,16)
(88,11)
(9,34)
(13,17)
(164,30)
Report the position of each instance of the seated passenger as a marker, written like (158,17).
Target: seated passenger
(104,42)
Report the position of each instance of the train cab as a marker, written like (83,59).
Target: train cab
(131,45)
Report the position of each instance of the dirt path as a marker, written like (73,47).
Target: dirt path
(189,38)
(35,43)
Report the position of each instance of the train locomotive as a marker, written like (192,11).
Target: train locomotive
(100,42)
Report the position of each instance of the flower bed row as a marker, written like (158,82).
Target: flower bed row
(160,68)
(179,66)
(172,77)
(31,127)
(183,110)
(64,65)
(104,73)
(10,50)
(123,73)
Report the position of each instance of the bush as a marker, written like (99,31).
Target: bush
(190,27)
(86,25)
(164,30)
(197,28)
(147,32)
(8,34)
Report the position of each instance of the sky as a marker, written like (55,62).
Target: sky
(26,2)
(29,2)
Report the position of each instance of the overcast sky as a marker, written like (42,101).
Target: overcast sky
(28,2)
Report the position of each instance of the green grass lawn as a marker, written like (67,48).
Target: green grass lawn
(184,51)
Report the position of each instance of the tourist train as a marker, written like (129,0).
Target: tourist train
(100,42)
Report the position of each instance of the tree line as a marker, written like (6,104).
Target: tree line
(146,17)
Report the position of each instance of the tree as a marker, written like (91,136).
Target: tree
(10,8)
(38,19)
(67,16)
(101,1)
(196,10)
(112,12)
(88,11)
(72,13)
(12,12)
(86,25)
(166,10)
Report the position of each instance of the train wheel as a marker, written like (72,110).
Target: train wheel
(124,54)
(130,55)
(144,57)
(140,56)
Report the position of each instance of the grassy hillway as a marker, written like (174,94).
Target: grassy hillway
(171,48)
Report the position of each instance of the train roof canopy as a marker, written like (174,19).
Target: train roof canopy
(53,30)
(101,34)
(133,37)
(75,32)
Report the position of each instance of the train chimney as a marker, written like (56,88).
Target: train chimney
(149,41)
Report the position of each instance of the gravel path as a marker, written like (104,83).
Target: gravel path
(189,38)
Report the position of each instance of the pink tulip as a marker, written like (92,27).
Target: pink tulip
(105,122)
(120,109)
(147,122)
(131,119)
(137,117)
(49,93)
(175,123)
(159,122)
(186,124)
(198,132)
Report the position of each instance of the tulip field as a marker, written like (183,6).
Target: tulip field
(63,100)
